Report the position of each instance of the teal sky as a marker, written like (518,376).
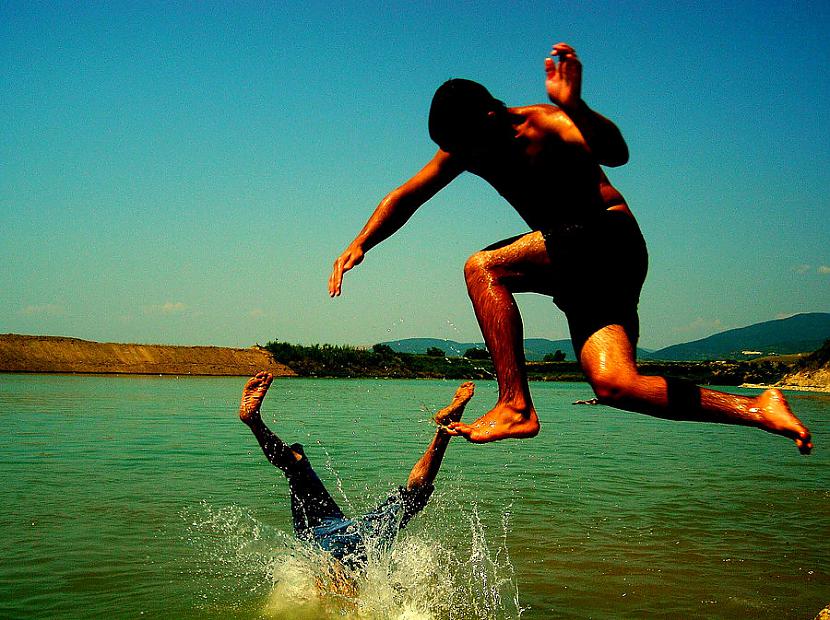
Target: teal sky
(186,173)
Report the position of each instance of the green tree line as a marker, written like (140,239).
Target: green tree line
(325,360)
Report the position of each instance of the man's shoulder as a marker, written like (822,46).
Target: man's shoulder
(543,116)
(537,110)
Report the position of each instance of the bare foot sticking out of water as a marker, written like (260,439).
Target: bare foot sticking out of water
(774,415)
(452,412)
(252,396)
(503,422)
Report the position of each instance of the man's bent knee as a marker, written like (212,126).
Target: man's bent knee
(610,388)
(476,267)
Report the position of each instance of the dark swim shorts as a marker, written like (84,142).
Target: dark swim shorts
(318,518)
(601,265)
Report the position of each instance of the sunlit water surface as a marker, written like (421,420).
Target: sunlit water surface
(128,497)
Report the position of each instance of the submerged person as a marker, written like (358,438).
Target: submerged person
(317,518)
(584,250)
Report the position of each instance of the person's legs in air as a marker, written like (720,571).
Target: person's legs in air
(600,298)
(311,504)
(276,451)
(382,524)
(594,272)
(425,470)
(493,276)
(608,359)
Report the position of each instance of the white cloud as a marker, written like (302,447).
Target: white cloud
(171,307)
(700,325)
(42,309)
(168,307)
(801,268)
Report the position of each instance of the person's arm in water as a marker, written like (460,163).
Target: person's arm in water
(393,212)
(564,85)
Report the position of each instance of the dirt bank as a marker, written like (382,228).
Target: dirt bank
(57,354)
(817,380)
(812,380)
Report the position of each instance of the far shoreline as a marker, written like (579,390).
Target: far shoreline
(168,375)
(60,355)
(788,387)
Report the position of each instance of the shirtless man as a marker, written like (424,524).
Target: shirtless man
(317,517)
(584,250)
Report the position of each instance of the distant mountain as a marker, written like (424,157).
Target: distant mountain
(802,333)
(535,348)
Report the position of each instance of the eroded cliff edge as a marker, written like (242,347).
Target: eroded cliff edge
(58,354)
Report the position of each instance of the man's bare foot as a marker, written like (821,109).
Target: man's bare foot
(452,412)
(774,415)
(252,396)
(503,422)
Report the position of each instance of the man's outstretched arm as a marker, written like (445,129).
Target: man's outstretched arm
(393,212)
(564,85)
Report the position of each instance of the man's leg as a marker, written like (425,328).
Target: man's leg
(382,524)
(608,359)
(311,503)
(493,276)
(276,451)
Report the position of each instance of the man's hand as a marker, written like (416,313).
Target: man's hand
(564,79)
(348,259)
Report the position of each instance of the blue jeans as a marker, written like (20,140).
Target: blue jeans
(317,517)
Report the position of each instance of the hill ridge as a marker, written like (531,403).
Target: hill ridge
(63,354)
(800,333)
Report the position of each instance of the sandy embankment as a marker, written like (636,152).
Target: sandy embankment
(57,354)
(786,386)
(806,381)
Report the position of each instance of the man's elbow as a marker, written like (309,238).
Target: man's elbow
(615,157)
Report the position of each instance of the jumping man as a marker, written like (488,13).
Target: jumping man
(584,250)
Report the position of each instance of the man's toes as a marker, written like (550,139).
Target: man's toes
(449,431)
(459,428)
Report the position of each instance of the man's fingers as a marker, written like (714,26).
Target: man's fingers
(341,266)
(564,52)
(335,279)
(567,68)
(350,258)
(563,48)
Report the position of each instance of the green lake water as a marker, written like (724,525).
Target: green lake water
(145,497)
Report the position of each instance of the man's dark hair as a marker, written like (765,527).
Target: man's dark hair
(459,113)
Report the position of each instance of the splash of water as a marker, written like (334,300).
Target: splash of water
(430,573)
